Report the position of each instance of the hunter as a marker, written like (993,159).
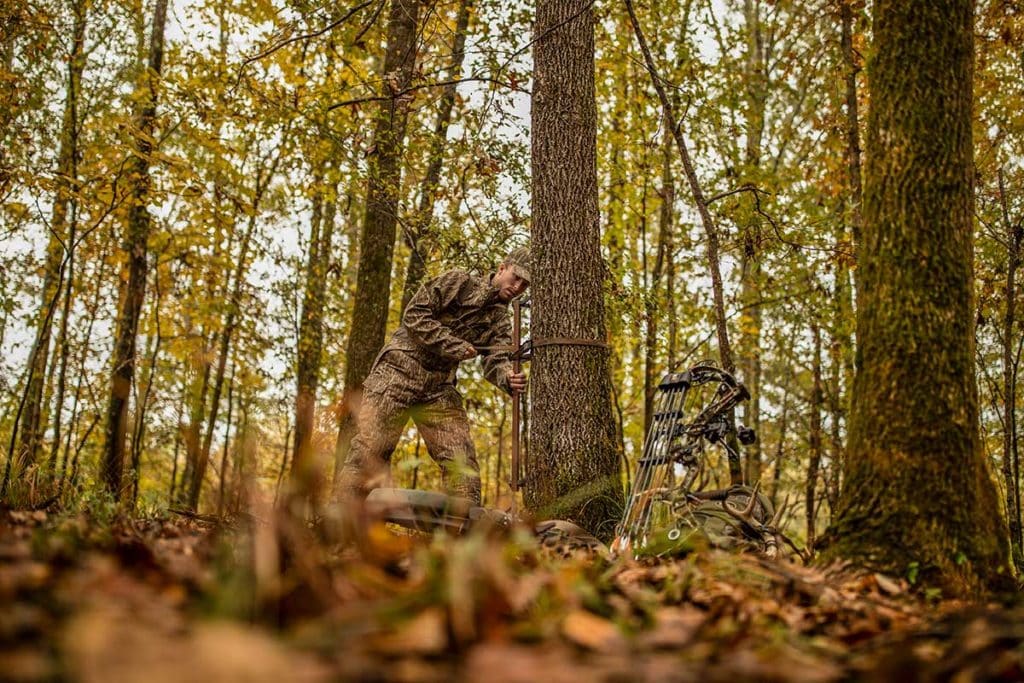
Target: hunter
(452,318)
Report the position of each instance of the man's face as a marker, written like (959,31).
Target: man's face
(508,284)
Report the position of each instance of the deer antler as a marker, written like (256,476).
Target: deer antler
(768,532)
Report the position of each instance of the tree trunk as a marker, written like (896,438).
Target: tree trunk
(99,278)
(179,433)
(377,240)
(917,492)
(135,245)
(780,449)
(227,443)
(231,322)
(853,164)
(310,342)
(418,235)
(32,416)
(707,221)
(814,438)
(751,317)
(69,184)
(1010,474)
(653,303)
(848,236)
(574,471)
(142,401)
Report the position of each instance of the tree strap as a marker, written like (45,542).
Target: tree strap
(527,347)
(565,341)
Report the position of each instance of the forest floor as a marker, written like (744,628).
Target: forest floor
(180,600)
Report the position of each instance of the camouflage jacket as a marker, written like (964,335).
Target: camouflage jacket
(450,313)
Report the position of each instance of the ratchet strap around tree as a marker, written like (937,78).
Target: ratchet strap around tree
(525,350)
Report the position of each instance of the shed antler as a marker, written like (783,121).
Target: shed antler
(768,533)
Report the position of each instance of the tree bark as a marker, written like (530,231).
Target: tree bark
(136,246)
(377,239)
(917,492)
(574,471)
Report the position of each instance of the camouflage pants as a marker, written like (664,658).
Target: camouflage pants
(399,388)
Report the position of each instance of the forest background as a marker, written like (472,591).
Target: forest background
(234,144)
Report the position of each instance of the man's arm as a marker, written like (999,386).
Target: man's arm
(498,364)
(420,317)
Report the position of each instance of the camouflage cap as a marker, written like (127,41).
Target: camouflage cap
(519,260)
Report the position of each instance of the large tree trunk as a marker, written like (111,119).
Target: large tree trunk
(418,235)
(574,470)
(136,245)
(917,489)
(377,240)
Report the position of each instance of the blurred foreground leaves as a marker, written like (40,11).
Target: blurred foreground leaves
(179,600)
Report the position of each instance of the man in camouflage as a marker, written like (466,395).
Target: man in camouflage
(451,318)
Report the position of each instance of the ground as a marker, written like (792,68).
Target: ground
(182,599)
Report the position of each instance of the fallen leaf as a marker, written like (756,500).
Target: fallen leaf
(592,632)
(673,628)
(888,585)
(424,634)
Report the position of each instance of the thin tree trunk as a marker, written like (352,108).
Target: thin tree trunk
(57,259)
(710,229)
(99,279)
(377,240)
(227,442)
(574,463)
(653,302)
(178,434)
(780,450)
(231,322)
(853,162)
(142,402)
(284,463)
(418,235)
(751,317)
(197,413)
(814,438)
(136,247)
(305,468)
(1010,473)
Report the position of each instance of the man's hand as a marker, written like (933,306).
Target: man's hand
(517,382)
(468,352)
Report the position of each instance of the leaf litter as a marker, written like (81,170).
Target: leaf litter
(181,600)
